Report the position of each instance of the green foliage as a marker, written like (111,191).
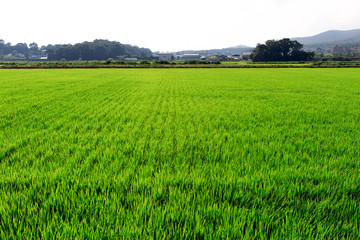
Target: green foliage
(198,62)
(19,51)
(109,61)
(339,64)
(281,50)
(162,62)
(179,154)
(120,62)
(96,50)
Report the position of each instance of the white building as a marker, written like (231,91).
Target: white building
(165,57)
(130,59)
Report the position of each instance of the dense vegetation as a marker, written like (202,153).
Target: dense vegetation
(180,153)
(96,50)
(280,51)
(19,49)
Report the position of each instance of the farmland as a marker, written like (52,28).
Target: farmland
(180,153)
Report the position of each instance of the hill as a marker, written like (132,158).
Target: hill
(329,38)
(239,49)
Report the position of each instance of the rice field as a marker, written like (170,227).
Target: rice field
(180,154)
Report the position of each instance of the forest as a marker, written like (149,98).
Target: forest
(95,50)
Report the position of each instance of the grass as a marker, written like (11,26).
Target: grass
(180,153)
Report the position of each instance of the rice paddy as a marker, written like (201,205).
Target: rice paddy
(180,154)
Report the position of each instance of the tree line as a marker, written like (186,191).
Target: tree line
(96,50)
(281,50)
(19,48)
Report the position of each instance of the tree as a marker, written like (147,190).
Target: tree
(33,47)
(2,45)
(281,50)
(2,48)
(21,48)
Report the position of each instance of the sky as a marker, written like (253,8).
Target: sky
(172,25)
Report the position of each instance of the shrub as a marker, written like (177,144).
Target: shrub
(110,60)
(162,62)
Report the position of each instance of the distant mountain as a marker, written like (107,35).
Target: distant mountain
(329,38)
(241,46)
(239,49)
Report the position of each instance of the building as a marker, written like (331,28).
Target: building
(179,57)
(213,58)
(166,57)
(245,56)
(191,57)
(131,59)
(223,58)
(236,57)
(337,49)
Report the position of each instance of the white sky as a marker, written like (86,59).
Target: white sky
(172,25)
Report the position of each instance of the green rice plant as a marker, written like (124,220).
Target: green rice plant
(179,154)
